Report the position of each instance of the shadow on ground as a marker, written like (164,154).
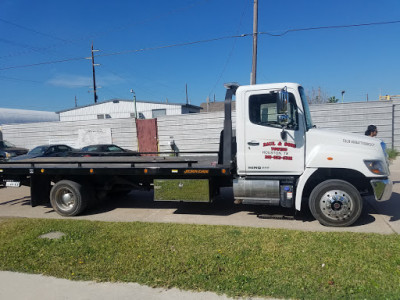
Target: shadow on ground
(224,206)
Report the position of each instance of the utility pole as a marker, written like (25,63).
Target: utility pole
(76,103)
(255,35)
(187,97)
(94,76)
(134,102)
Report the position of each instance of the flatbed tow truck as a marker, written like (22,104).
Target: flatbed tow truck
(275,157)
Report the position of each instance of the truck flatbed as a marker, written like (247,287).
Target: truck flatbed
(123,165)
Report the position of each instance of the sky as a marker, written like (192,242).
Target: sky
(156,48)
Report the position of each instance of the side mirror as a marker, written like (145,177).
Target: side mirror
(282,106)
(282,101)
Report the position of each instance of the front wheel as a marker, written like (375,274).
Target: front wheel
(69,198)
(335,203)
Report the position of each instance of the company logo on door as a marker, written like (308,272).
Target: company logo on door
(278,150)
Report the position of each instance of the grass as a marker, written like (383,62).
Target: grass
(233,260)
(392,153)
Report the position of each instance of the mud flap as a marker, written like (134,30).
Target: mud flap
(40,190)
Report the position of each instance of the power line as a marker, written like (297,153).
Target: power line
(97,34)
(30,48)
(43,63)
(200,42)
(148,20)
(19,45)
(32,30)
(230,53)
(173,45)
(19,79)
(123,52)
(329,27)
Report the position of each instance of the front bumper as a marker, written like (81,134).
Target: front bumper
(382,189)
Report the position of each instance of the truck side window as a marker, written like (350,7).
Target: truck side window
(262,111)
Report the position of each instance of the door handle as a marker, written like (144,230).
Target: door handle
(253,143)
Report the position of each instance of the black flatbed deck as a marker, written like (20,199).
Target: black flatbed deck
(121,165)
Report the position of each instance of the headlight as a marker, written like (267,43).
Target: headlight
(376,166)
(8,155)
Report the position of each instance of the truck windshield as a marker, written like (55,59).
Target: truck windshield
(306,108)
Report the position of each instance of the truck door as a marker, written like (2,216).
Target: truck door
(268,151)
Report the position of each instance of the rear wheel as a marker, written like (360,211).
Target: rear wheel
(335,203)
(69,198)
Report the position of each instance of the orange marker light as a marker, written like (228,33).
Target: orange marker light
(223,171)
(329,158)
(91,171)
(42,170)
(145,171)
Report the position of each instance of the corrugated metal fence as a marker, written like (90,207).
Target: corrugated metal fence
(200,132)
(355,118)
(123,132)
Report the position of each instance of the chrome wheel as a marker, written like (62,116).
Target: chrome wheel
(335,202)
(70,198)
(336,205)
(65,199)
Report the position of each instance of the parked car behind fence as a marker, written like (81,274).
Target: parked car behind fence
(48,151)
(9,150)
(105,150)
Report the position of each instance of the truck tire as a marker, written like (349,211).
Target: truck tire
(335,203)
(69,198)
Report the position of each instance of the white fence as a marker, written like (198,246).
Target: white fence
(355,118)
(123,132)
(200,132)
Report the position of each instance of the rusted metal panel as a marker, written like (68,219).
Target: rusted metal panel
(147,135)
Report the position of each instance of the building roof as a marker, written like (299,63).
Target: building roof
(215,106)
(116,100)
(15,116)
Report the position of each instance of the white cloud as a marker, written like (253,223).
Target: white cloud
(76,81)
(109,80)
(70,81)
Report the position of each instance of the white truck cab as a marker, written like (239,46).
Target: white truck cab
(282,159)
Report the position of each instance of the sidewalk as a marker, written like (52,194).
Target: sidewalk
(18,286)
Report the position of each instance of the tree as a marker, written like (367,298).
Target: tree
(316,96)
(333,99)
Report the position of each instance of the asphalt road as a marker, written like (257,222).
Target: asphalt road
(383,217)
